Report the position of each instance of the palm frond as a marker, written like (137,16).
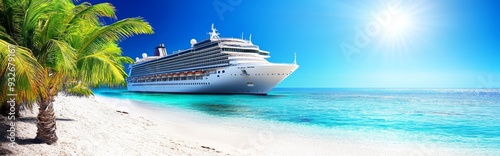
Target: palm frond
(11,15)
(36,11)
(6,37)
(103,67)
(115,33)
(88,12)
(59,56)
(79,89)
(26,72)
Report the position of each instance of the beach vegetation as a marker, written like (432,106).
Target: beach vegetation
(59,47)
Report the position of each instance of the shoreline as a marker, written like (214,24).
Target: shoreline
(246,136)
(102,126)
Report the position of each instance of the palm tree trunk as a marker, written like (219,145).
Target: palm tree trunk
(46,122)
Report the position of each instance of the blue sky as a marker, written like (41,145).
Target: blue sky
(370,43)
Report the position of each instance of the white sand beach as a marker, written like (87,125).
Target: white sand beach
(92,126)
(88,127)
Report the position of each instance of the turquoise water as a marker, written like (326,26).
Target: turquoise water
(468,118)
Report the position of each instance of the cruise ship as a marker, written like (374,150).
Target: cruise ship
(213,66)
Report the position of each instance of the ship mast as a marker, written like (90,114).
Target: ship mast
(295,58)
(214,35)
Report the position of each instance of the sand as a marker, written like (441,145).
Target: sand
(92,126)
(86,126)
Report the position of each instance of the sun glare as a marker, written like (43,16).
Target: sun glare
(400,25)
(404,30)
(394,30)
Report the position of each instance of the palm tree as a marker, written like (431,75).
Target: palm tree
(61,44)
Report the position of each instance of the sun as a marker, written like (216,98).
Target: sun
(402,33)
(400,25)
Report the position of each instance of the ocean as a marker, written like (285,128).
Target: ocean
(459,118)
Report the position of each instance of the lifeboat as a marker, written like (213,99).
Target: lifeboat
(198,73)
(182,75)
(175,75)
(164,76)
(190,73)
(169,75)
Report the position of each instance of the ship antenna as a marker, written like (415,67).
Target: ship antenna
(250,38)
(295,58)
(214,35)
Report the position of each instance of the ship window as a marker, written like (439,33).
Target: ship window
(223,71)
(218,72)
(250,84)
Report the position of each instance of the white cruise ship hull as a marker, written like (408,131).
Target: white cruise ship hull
(241,79)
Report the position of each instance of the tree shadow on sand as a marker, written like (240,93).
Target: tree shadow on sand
(33,119)
(5,125)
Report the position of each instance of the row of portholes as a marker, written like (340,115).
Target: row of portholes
(223,71)
(264,74)
(246,91)
(218,72)
(271,74)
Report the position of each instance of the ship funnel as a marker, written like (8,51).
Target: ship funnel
(160,51)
